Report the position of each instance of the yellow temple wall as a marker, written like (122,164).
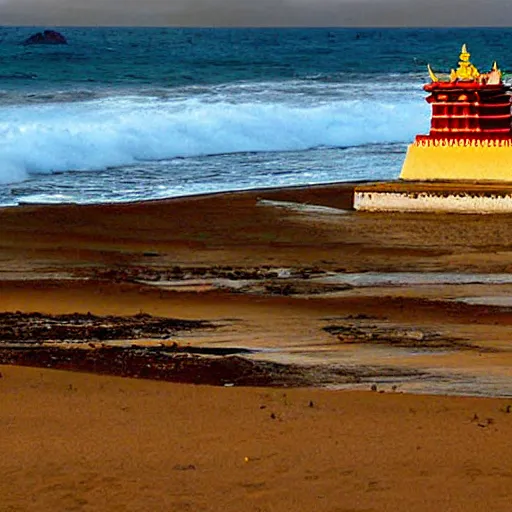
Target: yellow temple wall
(429,162)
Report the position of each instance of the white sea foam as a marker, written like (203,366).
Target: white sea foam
(123,130)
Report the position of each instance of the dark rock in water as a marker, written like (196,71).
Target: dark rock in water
(46,37)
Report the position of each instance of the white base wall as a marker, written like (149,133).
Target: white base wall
(373,201)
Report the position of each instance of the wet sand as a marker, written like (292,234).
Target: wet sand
(298,290)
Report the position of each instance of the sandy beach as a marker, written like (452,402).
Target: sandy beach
(257,350)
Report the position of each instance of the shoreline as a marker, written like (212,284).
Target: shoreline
(292,274)
(201,195)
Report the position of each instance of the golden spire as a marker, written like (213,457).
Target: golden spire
(464,54)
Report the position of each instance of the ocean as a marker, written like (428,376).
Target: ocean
(123,114)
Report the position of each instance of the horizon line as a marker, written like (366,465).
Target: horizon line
(262,27)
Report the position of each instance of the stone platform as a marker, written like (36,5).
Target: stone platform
(448,197)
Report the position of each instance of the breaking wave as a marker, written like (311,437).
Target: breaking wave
(123,130)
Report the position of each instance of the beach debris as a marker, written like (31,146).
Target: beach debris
(184,467)
(251,459)
(482,423)
(488,422)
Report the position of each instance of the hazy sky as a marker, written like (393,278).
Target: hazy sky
(257,12)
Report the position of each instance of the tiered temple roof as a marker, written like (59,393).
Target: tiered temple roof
(469,103)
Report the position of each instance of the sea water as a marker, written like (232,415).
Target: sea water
(123,114)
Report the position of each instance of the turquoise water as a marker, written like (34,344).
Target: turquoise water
(127,114)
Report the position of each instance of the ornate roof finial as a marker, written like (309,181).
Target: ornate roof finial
(466,71)
(432,75)
(494,76)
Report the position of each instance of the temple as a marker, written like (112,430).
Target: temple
(467,109)
(470,133)
(468,147)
